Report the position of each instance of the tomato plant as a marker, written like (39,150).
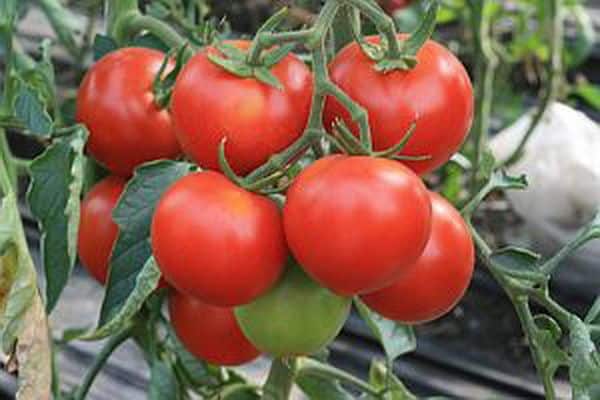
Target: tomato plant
(439,278)
(97,230)
(257,119)
(436,95)
(368,203)
(216,241)
(296,317)
(219,340)
(271,181)
(116,104)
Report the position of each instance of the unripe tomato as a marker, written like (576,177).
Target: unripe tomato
(436,95)
(97,230)
(216,241)
(116,103)
(208,332)
(257,119)
(439,279)
(296,317)
(356,223)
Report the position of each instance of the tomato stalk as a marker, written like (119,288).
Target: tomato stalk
(553,75)
(111,345)
(281,379)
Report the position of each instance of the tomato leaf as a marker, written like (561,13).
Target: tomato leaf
(384,380)
(163,383)
(316,388)
(518,263)
(584,371)
(133,215)
(57,175)
(103,45)
(31,111)
(395,338)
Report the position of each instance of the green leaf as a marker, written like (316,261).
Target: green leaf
(384,380)
(588,92)
(54,198)
(423,32)
(8,13)
(230,51)
(31,111)
(163,383)
(275,56)
(396,339)
(103,45)
(145,283)
(518,263)
(133,215)
(317,388)
(150,41)
(41,76)
(237,68)
(584,371)
(195,371)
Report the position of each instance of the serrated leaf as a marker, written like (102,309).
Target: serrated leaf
(31,111)
(382,379)
(54,198)
(584,371)
(163,383)
(103,45)
(518,263)
(133,215)
(145,283)
(41,76)
(317,388)
(396,339)
(264,75)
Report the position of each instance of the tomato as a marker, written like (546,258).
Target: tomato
(436,94)
(356,223)
(439,279)
(257,119)
(216,241)
(392,6)
(296,317)
(208,332)
(97,230)
(116,103)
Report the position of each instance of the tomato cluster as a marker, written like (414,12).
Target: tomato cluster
(246,275)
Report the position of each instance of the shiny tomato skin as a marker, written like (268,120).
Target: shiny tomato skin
(97,230)
(296,317)
(392,6)
(439,279)
(116,103)
(356,223)
(436,94)
(258,120)
(208,332)
(216,241)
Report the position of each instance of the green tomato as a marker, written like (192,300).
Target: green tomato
(296,317)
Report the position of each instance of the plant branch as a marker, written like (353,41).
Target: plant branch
(553,73)
(280,381)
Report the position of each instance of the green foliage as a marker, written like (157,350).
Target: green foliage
(57,174)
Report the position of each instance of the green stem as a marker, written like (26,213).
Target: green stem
(280,381)
(61,21)
(553,73)
(485,66)
(117,12)
(164,32)
(110,346)
(309,366)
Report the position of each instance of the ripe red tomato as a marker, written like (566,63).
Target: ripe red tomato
(208,332)
(97,231)
(392,6)
(439,279)
(258,120)
(296,317)
(436,94)
(116,103)
(356,223)
(216,241)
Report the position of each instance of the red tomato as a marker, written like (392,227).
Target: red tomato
(97,231)
(356,223)
(258,120)
(216,241)
(208,332)
(439,279)
(436,94)
(392,6)
(116,103)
